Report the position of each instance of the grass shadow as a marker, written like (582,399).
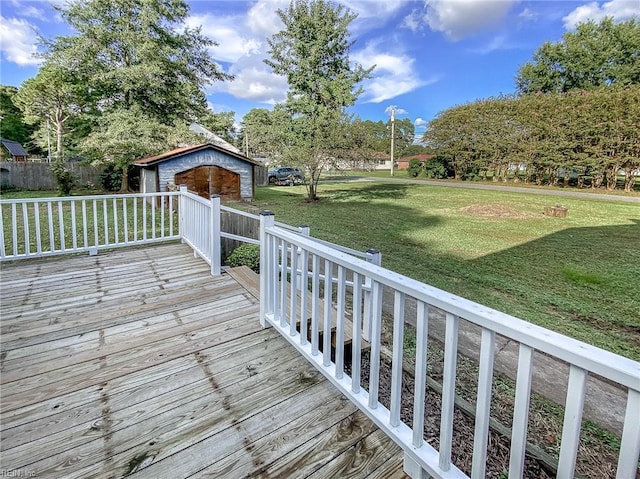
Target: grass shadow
(587,282)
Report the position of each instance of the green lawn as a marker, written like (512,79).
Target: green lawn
(579,275)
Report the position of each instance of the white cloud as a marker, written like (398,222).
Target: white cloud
(527,14)
(460,18)
(253,81)
(372,13)
(262,19)
(398,111)
(618,9)
(28,10)
(497,43)
(394,74)
(420,123)
(414,21)
(373,9)
(242,42)
(224,31)
(18,41)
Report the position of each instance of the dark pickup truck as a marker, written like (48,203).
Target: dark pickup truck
(286,176)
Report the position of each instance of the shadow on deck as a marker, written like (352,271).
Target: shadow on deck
(137,362)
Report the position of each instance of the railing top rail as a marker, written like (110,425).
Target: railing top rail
(88,197)
(345,249)
(617,368)
(296,229)
(286,226)
(239,212)
(194,197)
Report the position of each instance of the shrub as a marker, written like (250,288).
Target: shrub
(438,167)
(111,178)
(245,255)
(415,167)
(65,180)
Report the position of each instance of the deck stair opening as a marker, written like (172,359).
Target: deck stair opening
(250,280)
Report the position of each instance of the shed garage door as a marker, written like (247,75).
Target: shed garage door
(211,180)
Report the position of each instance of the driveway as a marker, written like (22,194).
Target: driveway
(510,189)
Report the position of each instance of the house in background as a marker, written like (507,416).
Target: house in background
(206,169)
(15,149)
(403,163)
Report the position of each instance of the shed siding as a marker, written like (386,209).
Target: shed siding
(148,180)
(168,169)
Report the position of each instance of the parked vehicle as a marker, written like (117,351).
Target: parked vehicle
(285,176)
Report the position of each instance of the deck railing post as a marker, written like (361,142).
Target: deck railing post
(413,469)
(267,268)
(181,211)
(376,258)
(216,252)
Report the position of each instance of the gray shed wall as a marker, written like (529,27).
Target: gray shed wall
(168,169)
(148,180)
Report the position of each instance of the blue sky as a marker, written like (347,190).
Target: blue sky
(430,55)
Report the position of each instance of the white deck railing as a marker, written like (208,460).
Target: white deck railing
(200,226)
(289,259)
(37,227)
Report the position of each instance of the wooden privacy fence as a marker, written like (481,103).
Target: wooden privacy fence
(38,176)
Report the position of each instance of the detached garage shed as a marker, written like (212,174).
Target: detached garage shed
(206,169)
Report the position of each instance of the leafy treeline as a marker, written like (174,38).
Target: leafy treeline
(576,120)
(361,144)
(126,84)
(594,55)
(569,137)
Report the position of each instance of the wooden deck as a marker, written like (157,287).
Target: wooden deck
(138,363)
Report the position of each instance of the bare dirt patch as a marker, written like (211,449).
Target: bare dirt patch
(497,211)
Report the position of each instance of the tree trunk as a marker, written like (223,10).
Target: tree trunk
(597,179)
(612,177)
(629,179)
(456,171)
(124,186)
(59,122)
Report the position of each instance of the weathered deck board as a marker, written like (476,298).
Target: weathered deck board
(139,362)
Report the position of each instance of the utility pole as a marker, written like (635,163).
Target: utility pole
(393,134)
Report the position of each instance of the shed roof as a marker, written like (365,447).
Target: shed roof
(169,155)
(14,148)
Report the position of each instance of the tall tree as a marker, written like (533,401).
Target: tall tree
(222,124)
(136,56)
(265,132)
(312,51)
(48,101)
(12,124)
(404,133)
(596,54)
